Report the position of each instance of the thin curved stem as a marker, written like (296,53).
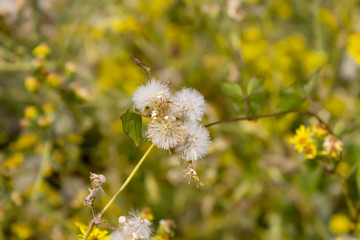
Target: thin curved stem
(273,115)
(123,186)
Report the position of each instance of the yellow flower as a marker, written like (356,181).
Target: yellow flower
(41,50)
(32,84)
(24,141)
(327,18)
(22,230)
(310,151)
(30,112)
(14,160)
(318,130)
(53,80)
(353,47)
(96,233)
(302,138)
(333,146)
(340,224)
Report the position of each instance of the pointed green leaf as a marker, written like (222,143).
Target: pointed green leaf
(255,85)
(310,85)
(132,126)
(232,90)
(289,101)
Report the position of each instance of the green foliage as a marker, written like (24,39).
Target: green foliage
(132,125)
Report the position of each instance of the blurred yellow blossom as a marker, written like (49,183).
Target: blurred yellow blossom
(22,230)
(333,146)
(14,160)
(353,47)
(343,168)
(146,213)
(44,120)
(310,151)
(340,224)
(53,80)
(24,141)
(302,138)
(96,233)
(48,107)
(281,8)
(31,84)
(318,130)
(328,19)
(122,25)
(41,50)
(75,138)
(30,112)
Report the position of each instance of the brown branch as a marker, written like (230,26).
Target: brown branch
(147,69)
(273,115)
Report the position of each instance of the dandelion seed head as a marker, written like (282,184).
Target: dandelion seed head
(166,133)
(145,95)
(196,142)
(190,104)
(133,228)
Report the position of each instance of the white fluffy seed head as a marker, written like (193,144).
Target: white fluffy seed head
(149,92)
(166,133)
(190,104)
(133,228)
(196,142)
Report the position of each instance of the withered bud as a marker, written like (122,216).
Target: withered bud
(96,180)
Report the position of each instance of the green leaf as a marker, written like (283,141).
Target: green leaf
(310,85)
(289,101)
(232,90)
(255,103)
(353,184)
(132,125)
(255,85)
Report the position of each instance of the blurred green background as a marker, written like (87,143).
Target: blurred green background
(65,79)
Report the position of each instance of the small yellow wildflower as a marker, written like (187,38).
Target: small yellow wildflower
(14,160)
(353,47)
(302,138)
(44,121)
(340,224)
(310,151)
(333,146)
(75,138)
(343,168)
(318,130)
(22,230)
(24,141)
(32,84)
(328,19)
(146,213)
(53,80)
(41,50)
(96,233)
(30,112)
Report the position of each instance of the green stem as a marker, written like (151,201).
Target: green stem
(348,201)
(44,160)
(123,186)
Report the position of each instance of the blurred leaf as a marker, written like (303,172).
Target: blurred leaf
(255,103)
(255,85)
(310,85)
(232,90)
(132,126)
(353,184)
(289,100)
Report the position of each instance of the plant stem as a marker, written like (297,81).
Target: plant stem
(123,186)
(273,115)
(44,160)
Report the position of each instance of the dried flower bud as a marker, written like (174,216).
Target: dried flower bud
(96,180)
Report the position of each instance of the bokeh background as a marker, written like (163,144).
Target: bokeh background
(66,78)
